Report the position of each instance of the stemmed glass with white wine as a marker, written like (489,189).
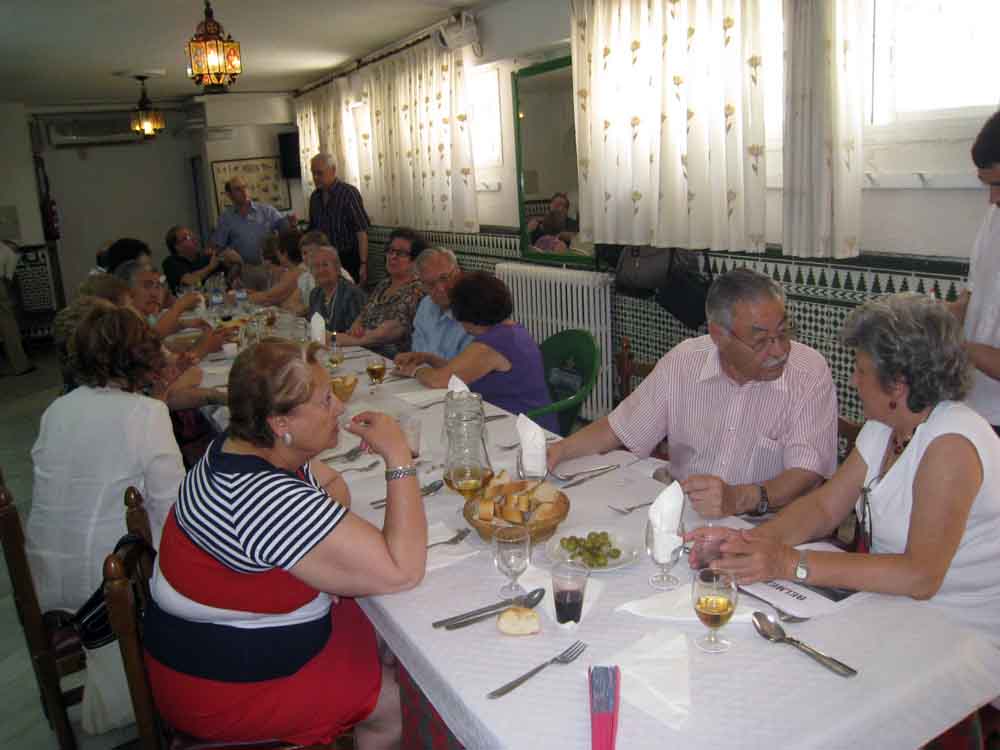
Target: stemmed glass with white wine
(375,367)
(714,595)
(511,552)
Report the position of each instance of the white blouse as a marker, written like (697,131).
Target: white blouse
(93,444)
(970,591)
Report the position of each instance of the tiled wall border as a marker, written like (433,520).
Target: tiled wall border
(821,294)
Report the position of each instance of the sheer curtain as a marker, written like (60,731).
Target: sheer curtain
(670,122)
(319,115)
(415,159)
(824,105)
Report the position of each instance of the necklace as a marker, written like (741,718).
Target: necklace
(898,446)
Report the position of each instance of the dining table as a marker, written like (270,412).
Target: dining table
(919,672)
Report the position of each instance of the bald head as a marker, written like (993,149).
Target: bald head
(324,170)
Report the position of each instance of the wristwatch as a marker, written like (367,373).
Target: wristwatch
(764,504)
(801,569)
(400,472)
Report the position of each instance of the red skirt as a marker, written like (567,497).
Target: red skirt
(337,689)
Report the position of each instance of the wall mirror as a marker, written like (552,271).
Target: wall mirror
(546,163)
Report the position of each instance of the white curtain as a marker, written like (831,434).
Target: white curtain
(670,122)
(415,157)
(823,161)
(319,115)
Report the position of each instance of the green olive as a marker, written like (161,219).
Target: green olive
(614,553)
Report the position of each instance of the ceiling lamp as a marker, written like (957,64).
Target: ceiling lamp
(145,120)
(213,61)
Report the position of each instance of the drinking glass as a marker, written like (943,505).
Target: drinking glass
(569,584)
(659,549)
(714,596)
(511,552)
(375,367)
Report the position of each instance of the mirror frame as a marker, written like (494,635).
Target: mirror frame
(582,261)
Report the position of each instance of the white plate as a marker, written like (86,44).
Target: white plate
(623,541)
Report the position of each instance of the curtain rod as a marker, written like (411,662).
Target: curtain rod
(358,65)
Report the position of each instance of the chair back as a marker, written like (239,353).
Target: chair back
(41,632)
(627,368)
(572,361)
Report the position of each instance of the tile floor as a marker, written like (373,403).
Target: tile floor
(22,724)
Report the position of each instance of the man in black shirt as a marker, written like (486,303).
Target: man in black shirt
(336,209)
(187,265)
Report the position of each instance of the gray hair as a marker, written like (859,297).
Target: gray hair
(128,270)
(739,285)
(433,252)
(325,159)
(318,249)
(915,339)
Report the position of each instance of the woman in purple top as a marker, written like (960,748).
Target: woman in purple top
(503,363)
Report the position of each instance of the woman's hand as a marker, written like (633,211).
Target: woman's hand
(381,434)
(753,557)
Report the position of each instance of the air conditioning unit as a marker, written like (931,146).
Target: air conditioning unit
(107,129)
(460,32)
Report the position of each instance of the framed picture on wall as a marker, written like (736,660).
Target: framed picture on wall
(263,178)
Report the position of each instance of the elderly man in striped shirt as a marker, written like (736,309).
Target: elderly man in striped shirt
(750,416)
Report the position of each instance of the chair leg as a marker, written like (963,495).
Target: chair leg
(52,701)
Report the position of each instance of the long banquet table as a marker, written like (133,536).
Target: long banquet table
(919,672)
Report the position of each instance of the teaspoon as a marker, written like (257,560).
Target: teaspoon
(772,631)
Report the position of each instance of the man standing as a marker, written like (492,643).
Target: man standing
(187,265)
(10,333)
(750,415)
(979,306)
(435,330)
(243,227)
(336,209)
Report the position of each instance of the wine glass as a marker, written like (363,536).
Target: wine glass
(714,595)
(511,552)
(375,367)
(660,548)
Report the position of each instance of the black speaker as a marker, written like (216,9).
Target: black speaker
(288,146)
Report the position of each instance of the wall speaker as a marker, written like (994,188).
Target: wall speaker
(288,148)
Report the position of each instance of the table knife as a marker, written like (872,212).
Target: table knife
(495,417)
(578,482)
(489,609)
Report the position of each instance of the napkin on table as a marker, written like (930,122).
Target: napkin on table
(665,518)
(446,554)
(676,606)
(456,384)
(539,578)
(317,328)
(533,456)
(655,676)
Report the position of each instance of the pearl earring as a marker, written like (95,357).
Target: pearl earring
(287,439)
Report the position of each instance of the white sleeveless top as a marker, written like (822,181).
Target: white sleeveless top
(971,589)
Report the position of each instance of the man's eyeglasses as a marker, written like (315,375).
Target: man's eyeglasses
(760,345)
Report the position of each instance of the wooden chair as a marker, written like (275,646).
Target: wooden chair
(627,368)
(847,434)
(53,644)
(126,590)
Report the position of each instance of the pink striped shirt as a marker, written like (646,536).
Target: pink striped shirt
(743,434)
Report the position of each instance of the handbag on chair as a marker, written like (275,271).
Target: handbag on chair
(685,290)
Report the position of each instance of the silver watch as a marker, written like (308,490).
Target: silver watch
(801,569)
(400,472)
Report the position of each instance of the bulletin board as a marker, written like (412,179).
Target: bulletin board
(263,177)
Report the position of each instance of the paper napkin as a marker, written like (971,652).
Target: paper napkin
(533,458)
(456,384)
(317,328)
(655,676)
(676,606)
(665,517)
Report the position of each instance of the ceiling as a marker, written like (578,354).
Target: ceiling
(64,52)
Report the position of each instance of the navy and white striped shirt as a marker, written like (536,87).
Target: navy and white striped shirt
(251,516)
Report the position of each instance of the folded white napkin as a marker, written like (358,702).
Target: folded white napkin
(214,375)
(317,328)
(533,459)
(656,676)
(540,578)
(446,554)
(665,517)
(455,384)
(424,397)
(676,606)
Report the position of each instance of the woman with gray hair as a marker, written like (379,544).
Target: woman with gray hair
(338,300)
(924,478)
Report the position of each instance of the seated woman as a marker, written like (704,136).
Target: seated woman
(503,363)
(93,444)
(924,477)
(246,638)
(553,227)
(284,292)
(338,300)
(385,324)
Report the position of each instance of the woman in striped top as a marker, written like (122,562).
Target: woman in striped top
(247,637)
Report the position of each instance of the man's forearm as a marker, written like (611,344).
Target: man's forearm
(781,490)
(986,358)
(597,437)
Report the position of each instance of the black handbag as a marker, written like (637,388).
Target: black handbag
(642,269)
(684,293)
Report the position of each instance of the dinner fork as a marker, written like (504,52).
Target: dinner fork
(361,469)
(454,540)
(565,657)
(782,614)
(432,403)
(575,474)
(629,508)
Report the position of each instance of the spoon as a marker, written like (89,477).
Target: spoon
(529,600)
(766,625)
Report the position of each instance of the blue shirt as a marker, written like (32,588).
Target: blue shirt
(246,234)
(437,332)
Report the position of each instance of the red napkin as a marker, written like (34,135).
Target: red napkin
(605,696)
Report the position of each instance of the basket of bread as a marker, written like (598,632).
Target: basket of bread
(539,507)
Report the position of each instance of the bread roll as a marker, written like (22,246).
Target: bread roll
(545,511)
(511,514)
(522,502)
(486,510)
(519,621)
(546,493)
(496,485)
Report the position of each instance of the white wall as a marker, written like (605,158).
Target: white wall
(131,190)
(17,186)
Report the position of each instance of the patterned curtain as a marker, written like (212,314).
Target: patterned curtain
(670,122)
(824,105)
(416,158)
(319,115)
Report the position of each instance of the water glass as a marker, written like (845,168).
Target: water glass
(569,584)
(714,595)
(511,552)
(660,552)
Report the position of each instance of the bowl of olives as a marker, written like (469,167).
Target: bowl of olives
(598,549)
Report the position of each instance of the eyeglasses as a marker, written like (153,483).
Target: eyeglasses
(866,526)
(397,253)
(760,345)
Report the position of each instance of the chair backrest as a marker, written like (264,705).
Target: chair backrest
(25,597)
(136,517)
(627,368)
(572,361)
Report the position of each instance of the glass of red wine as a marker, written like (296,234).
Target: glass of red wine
(569,584)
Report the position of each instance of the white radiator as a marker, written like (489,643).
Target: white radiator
(549,300)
